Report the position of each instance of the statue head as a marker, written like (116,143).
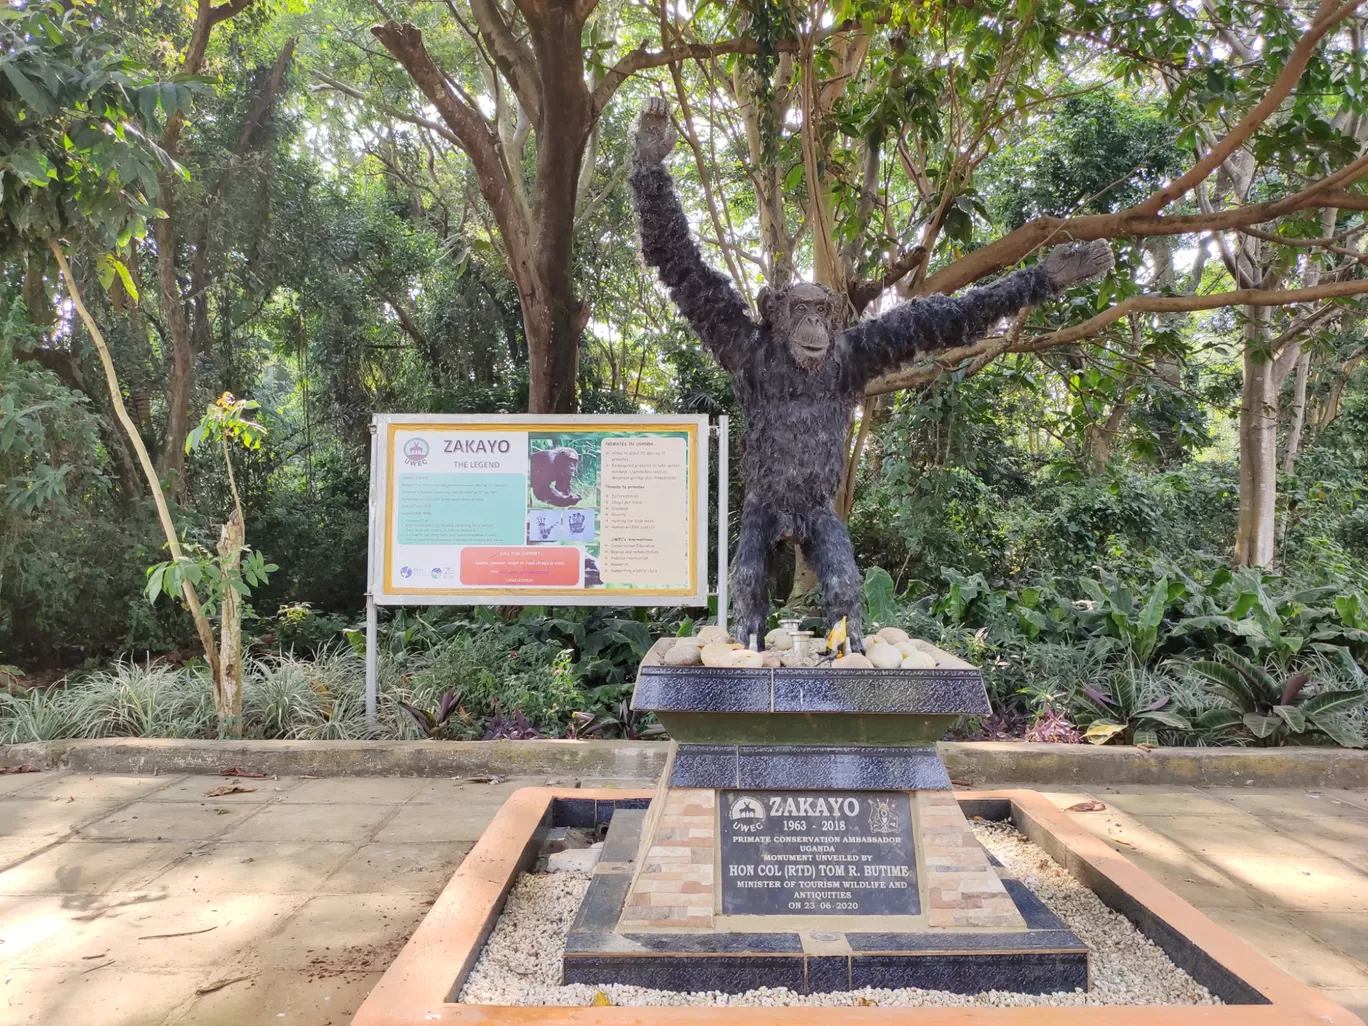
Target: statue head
(805,318)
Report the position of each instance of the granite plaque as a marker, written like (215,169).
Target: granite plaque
(818,853)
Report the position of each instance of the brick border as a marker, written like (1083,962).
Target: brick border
(418,987)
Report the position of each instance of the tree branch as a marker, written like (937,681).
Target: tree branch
(922,373)
(388,111)
(1328,15)
(512,55)
(469,131)
(1014,246)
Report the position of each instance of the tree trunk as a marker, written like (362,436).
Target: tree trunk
(1258,446)
(1294,434)
(228,684)
(1098,438)
(553,333)
(171,459)
(206,634)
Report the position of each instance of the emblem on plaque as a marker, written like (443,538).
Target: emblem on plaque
(747,807)
(883,816)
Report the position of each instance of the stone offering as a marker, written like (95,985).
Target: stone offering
(717,653)
(884,656)
(854,661)
(779,638)
(683,655)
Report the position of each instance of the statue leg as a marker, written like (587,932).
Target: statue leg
(760,532)
(828,551)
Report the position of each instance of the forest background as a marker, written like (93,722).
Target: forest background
(1143,508)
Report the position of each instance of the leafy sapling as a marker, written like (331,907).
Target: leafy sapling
(230,574)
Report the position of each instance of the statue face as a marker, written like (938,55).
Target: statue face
(806,318)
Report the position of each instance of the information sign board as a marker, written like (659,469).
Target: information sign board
(523,509)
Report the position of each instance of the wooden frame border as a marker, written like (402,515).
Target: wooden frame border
(418,987)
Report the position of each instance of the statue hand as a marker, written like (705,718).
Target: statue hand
(1075,262)
(655,136)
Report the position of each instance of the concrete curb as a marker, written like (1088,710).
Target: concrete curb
(998,762)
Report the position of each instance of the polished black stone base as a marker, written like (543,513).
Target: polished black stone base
(1045,958)
(817,705)
(800,767)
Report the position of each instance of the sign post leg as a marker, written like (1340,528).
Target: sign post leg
(372,660)
(372,649)
(723,515)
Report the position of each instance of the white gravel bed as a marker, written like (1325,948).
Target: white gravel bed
(521,963)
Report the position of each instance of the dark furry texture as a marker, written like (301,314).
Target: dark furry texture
(796,417)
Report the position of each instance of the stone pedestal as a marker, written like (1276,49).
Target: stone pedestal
(804,834)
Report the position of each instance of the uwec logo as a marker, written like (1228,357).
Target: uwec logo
(416,452)
(747,807)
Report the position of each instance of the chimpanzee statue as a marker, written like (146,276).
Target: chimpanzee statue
(798,376)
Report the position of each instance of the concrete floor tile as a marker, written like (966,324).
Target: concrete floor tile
(335,933)
(255,867)
(53,931)
(88,867)
(16,849)
(380,790)
(463,821)
(99,787)
(1235,834)
(48,931)
(272,998)
(1343,837)
(1172,802)
(15,783)
(169,821)
(335,822)
(1207,887)
(417,868)
(192,789)
(1280,939)
(113,995)
(455,792)
(49,818)
(205,929)
(1310,884)
(1301,803)
(1358,799)
(1347,931)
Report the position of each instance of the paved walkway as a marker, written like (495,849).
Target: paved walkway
(144,901)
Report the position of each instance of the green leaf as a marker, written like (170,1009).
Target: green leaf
(1152,615)
(30,92)
(1339,730)
(1167,718)
(1260,725)
(1333,702)
(124,276)
(1218,719)
(154,581)
(1292,716)
(32,166)
(1100,732)
(880,606)
(1223,681)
